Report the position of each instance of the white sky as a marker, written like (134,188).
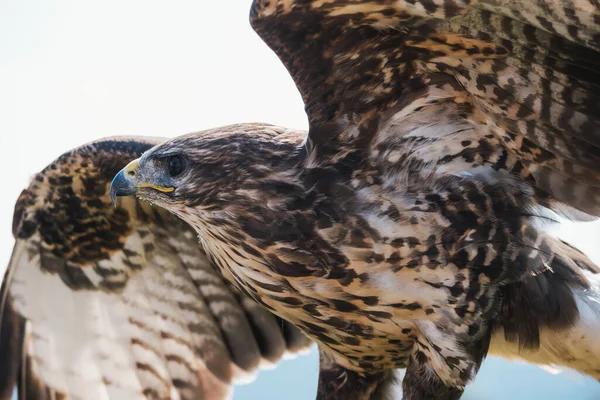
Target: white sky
(76,71)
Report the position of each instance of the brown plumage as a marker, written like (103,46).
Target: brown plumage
(408,228)
(101,302)
(407,231)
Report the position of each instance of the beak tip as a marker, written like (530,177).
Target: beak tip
(121,185)
(113,198)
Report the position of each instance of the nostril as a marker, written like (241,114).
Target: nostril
(131,173)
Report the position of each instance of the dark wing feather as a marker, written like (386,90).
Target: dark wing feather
(101,302)
(527,70)
(11,343)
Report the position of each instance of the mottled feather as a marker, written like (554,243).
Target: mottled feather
(408,230)
(528,75)
(101,302)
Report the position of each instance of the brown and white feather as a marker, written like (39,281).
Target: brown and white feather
(121,303)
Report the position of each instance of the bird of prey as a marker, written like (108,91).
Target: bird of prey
(408,229)
(106,303)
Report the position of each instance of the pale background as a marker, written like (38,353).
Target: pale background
(75,71)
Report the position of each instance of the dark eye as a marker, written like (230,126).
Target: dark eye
(175,165)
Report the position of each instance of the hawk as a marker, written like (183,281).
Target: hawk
(121,303)
(408,227)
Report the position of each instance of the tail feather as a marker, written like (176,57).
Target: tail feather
(553,318)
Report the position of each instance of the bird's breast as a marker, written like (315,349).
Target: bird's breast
(362,287)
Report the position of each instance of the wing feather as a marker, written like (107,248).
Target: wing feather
(528,73)
(120,303)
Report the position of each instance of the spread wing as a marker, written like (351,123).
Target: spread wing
(511,84)
(121,303)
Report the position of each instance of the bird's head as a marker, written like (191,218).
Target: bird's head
(208,170)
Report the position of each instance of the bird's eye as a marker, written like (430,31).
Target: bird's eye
(175,165)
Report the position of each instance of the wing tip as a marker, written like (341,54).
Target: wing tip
(293,354)
(12,328)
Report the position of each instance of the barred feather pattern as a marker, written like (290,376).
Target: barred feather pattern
(527,73)
(122,303)
(408,229)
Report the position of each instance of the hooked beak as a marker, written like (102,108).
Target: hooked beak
(127,182)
